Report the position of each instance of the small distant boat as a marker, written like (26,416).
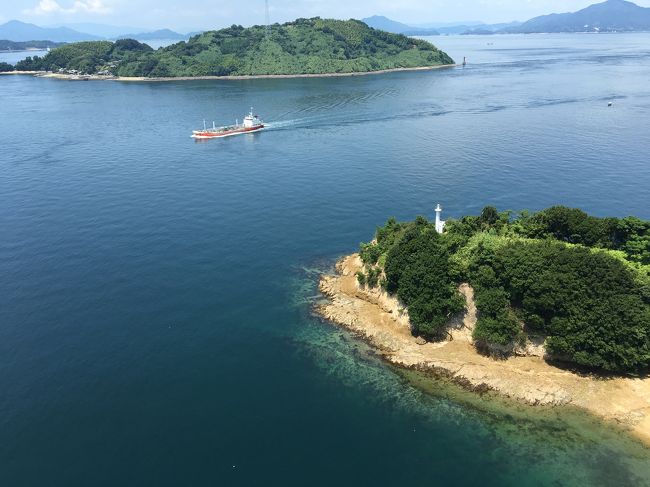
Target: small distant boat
(252,123)
(610,104)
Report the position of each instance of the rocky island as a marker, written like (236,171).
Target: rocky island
(305,47)
(551,308)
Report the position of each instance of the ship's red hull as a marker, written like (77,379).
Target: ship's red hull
(214,134)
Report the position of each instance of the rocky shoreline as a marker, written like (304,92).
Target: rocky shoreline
(380,320)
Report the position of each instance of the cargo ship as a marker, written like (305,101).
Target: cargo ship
(252,123)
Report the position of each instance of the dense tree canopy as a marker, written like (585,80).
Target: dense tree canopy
(305,46)
(580,281)
(588,304)
(6,45)
(630,234)
(417,270)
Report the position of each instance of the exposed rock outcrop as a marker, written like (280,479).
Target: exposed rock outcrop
(382,321)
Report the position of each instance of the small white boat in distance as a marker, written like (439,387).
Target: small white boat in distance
(252,123)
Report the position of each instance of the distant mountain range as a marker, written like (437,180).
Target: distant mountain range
(104,31)
(384,23)
(609,16)
(475,28)
(155,35)
(17,31)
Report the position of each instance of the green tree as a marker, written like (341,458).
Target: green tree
(418,271)
(489,216)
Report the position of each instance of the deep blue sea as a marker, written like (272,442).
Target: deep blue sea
(156,292)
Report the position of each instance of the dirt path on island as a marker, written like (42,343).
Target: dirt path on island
(381,321)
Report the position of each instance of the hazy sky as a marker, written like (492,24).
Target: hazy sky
(192,15)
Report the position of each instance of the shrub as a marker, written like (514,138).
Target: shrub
(370,253)
(501,330)
(590,304)
(373,277)
(361,278)
(418,271)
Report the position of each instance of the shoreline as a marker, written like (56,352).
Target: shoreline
(381,321)
(11,51)
(96,77)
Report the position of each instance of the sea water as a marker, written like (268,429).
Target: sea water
(156,292)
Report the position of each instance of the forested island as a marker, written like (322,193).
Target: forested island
(28,45)
(302,47)
(581,282)
(548,308)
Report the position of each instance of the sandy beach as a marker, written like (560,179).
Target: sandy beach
(383,323)
(96,77)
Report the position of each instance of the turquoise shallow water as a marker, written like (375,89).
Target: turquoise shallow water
(155,324)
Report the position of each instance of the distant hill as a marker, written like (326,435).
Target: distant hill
(384,23)
(421,32)
(17,31)
(155,35)
(477,28)
(306,46)
(389,25)
(609,16)
(104,31)
(478,32)
(27,45)
(443,25)
(459,29)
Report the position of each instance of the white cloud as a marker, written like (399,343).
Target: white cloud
(47,7)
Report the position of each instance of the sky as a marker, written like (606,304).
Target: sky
(187,15)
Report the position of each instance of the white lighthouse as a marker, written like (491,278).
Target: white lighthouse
(440,225)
